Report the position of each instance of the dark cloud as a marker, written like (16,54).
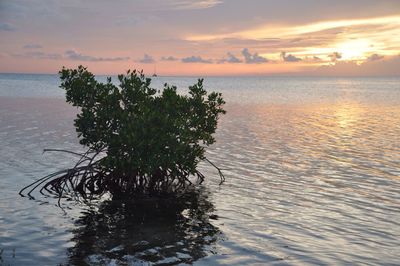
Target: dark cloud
(73,55)
(196,59)
(253,58)
(32,46)
(289,58)
(169,58)
(335,56)
(7,27)
(147,59)
(230,58)
(375,57)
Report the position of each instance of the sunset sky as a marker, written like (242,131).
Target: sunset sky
(209,37)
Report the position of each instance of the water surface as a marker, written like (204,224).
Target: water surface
(312,168)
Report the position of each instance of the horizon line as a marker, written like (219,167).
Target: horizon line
(287,75)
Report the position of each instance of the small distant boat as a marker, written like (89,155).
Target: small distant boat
(155,72)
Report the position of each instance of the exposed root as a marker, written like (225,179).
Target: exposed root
(221,175)
(89,179)
(83,155)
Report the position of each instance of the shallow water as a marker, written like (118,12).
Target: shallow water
(312,168)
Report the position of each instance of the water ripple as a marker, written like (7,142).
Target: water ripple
(312,173)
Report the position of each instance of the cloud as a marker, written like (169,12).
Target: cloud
(73,55)
(253,58)
(316,58)
(193,4)
(70,54)
(312,59)
(128,20)
(39,55)
(231,58)
(196,59)
(147,59)
(385,67)
(7,27)
(289,57)
(375,57)
(32,46)
(268,31)
(169,58)
(335,56)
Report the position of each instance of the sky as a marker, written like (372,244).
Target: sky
(202,38)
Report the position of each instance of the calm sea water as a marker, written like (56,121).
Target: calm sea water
(312,170)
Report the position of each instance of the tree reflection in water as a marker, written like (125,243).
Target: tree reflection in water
(156,232)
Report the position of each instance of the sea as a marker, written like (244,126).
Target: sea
(312,169)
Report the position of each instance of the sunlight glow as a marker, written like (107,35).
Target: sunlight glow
(354,39)
(347,115)
(326,25)
(353,49)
